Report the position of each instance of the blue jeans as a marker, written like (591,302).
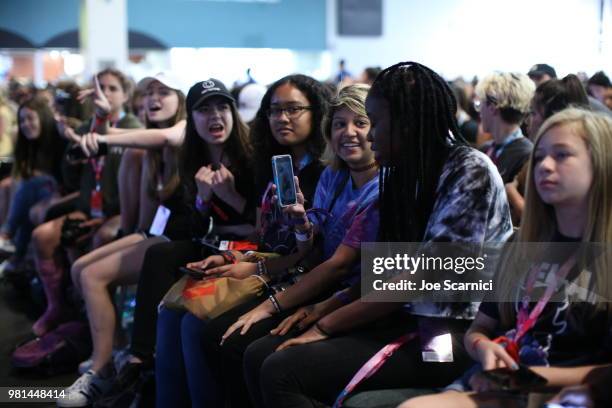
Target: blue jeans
(181,367)
(27,194)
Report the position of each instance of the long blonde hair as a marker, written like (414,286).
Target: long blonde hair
(539,223)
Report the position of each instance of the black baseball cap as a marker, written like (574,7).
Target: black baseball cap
(204,90)
(541,69)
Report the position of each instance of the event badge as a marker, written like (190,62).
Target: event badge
(159,222)
(436,341)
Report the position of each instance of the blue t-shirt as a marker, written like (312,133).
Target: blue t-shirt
(354,216)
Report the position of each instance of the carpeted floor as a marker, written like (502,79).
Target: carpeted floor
(17,313)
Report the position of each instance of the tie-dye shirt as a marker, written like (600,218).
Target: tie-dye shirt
(471,206)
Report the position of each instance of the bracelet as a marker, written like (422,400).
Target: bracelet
(275,303)
(261,268)
(324,332)
(200,204)
(229,257)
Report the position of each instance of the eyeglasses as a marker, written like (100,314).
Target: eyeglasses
(292,112)
(488,99)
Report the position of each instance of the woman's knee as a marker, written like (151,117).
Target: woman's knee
(44,237)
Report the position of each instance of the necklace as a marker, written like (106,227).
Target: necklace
(364,168)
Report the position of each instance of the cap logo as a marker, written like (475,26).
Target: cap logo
(208,84)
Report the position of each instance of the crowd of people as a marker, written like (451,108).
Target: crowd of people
(113,185)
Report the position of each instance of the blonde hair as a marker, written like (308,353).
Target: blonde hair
(509,90)
(539,223)
(353,98)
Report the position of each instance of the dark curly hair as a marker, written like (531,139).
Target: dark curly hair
(264,144)
(195,153)
(422,120)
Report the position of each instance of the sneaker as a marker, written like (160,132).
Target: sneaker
(6,246)
(85,366)
(124,387)
(85,390)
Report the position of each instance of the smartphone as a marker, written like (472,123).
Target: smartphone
(282,169)
(193,273)
(75,153)
(521,379)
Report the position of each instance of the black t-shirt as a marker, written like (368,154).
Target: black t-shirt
(571,336)
(512,158)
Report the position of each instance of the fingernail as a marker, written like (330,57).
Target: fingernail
(515,366)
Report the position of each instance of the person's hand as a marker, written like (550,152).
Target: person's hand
(309,336)
(209,262)
(303,317)
(240,270)
(204,182)
(492,355)
(89,143)
(103,107)
(223,183)
(244,323)
(578,396)
(92,225)
(297,211)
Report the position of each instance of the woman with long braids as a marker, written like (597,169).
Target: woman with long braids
(433,187)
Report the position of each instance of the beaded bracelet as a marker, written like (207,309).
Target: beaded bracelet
(261,268)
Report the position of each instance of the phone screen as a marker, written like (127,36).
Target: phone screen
(282,168)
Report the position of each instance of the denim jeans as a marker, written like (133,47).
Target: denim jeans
(27,194)
(181,367)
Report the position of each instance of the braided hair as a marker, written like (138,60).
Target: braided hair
(424,131)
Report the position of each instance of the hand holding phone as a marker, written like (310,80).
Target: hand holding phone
(193,273)
(282,170)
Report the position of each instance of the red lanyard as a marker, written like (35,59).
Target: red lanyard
(526,321)
(98,166)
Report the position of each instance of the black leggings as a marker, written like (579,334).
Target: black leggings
(312,375)
(226,361)
(159,272)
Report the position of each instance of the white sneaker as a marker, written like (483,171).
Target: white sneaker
(85,390)
(7,246)
(85,366)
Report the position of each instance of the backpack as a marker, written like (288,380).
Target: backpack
(59,351)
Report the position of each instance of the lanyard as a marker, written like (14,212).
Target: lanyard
(373,365)
(97,166)
(524,321)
